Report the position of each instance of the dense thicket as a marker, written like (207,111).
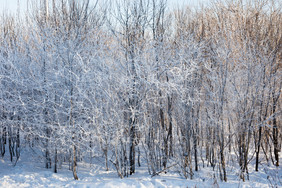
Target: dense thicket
(181,89)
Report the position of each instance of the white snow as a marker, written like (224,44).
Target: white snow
(30,172)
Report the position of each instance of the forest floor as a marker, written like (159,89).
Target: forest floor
(30,172)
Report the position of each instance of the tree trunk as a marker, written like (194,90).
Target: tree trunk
(195,150)
(55,161)
(258,149)
(74,170)
(132,149)
(275,142)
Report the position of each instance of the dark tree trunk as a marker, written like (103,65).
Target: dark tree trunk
(55,161)
(74,170)
(275,142)
(3,142)
(132,149)
(195,152)
(258,148)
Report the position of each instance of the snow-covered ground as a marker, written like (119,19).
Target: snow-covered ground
(30,172)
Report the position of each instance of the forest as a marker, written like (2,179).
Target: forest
(136,83)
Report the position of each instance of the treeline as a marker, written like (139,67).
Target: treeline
(139,84)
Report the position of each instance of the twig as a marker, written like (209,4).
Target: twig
(157,173)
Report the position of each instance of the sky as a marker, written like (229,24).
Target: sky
(11,6)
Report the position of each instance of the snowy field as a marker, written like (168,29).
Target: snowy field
(33,174)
